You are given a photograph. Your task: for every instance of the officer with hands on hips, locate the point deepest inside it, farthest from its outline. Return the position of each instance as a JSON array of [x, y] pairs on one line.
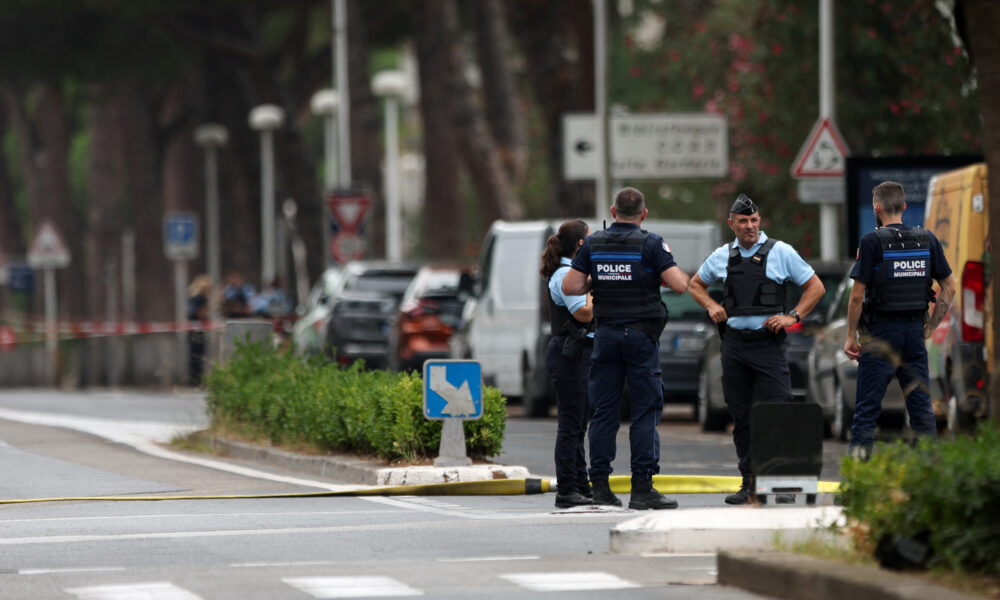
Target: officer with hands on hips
[[625, 266], [756, 270], [888, 305]]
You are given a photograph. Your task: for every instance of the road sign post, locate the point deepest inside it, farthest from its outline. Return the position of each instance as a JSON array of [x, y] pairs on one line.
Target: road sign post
[[180, 243], [453, 393], [48, 252], [348, 210]]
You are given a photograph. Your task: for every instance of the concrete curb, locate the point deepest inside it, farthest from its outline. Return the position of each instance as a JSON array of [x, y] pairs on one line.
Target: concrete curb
[[786, 575], [364, 472], [716, 529]]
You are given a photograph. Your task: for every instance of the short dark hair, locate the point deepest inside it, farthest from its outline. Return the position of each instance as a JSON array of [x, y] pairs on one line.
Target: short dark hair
[[629, 203], [890, 196]]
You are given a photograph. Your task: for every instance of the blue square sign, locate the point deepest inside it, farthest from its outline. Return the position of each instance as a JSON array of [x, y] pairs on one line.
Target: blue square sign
[[453, 389]]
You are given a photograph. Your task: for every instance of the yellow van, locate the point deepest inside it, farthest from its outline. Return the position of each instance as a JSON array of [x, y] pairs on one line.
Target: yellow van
[[957, 213]]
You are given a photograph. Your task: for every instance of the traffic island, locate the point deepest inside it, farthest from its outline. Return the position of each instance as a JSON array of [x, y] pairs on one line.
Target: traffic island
[[723, 528]]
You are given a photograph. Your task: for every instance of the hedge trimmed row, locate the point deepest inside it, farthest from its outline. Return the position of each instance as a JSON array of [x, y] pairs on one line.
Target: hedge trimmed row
[[946, 491], [274, 394]]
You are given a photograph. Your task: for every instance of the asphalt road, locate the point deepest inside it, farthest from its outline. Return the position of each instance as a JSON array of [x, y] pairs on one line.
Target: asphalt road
[[441, 547]]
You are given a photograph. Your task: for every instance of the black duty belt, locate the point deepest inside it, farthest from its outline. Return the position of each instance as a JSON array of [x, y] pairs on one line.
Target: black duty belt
[[754, 335]]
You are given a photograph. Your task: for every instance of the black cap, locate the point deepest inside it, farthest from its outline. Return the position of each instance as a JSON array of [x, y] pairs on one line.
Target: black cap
[[743, 206]]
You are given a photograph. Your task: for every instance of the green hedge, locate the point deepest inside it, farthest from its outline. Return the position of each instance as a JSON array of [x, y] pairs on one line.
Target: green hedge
[[948, 490], [275, 395]]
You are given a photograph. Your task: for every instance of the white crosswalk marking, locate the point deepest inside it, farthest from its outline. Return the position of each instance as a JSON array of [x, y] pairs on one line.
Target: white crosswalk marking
[[158, 590], [351, 587], [568, 581]]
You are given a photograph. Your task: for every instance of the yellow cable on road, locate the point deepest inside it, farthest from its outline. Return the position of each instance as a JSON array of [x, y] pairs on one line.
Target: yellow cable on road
[[622, 484]]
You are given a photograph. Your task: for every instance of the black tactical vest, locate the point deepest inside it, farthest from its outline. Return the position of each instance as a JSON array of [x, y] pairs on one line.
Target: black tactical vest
[[622, 288], [562, 321], [748, 291], [902, 281]]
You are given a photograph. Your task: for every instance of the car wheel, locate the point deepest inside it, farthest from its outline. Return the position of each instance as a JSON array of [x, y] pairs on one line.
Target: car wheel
[[708, 418], [842, 414]]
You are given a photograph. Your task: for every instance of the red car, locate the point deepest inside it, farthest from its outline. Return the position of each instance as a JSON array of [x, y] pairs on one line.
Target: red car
[[429, 313]]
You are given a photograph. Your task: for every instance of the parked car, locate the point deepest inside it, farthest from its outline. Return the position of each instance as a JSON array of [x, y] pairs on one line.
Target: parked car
[[957, 212], [429, 313], [712, 411], [833, 377], [506, 326], [359, 324], [681, 345], [314, 313]]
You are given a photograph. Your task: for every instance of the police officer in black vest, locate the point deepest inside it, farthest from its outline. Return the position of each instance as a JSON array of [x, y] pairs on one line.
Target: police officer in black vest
[[754, 314], [888, 307], [625, 266]]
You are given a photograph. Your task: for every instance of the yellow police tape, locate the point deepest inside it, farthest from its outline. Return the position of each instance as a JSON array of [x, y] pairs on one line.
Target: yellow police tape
[[667, 484]]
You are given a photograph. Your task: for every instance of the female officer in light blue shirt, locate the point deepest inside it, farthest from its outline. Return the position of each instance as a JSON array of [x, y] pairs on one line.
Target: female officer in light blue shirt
[[568, 362]]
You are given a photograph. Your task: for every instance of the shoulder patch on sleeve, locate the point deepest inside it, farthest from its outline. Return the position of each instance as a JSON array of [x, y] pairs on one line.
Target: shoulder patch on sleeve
[[666, 246]]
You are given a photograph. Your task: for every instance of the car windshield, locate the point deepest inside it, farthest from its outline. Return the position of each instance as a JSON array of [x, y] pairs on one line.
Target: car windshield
[[438, 283], [392, 283], [682, 306]]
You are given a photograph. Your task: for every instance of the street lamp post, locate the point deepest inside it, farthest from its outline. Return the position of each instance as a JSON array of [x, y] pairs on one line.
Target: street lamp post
[[211, 137], [391, 85], [265, 119], [324, 103]]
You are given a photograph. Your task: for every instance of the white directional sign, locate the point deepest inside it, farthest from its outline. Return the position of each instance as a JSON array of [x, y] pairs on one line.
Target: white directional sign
[[823, 155], [648, 146], [48, 250], [180, 235], [453, 389]]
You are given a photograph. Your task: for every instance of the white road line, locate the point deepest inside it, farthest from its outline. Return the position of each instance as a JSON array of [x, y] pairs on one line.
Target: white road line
[[568, 581], [351, 587], [488, 558], [217, 533], [120, 518], [305, 563], [70, 570], [159, 590]]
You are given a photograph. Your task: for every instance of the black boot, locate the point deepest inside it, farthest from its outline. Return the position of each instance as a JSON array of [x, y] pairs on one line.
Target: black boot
[[568, 497], [585, 490], [746, 494], [603, 495], [645, 497]]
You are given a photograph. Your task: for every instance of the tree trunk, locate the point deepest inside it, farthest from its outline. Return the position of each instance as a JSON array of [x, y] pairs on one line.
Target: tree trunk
[[366, 124], [11, 238], [442, 205], [108, 192], [478, 150], [43, 144], [980, 19], [500, 93], [562, 80]]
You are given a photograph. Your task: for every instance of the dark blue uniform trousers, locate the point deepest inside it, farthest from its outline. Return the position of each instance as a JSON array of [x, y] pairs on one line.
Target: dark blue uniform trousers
[[752, 371], [892, 348], [622, 353], [569, 378]]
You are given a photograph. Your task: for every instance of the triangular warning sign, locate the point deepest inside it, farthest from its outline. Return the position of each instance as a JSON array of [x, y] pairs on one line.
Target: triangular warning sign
[[823, 155], [349, 209], [47, 249]]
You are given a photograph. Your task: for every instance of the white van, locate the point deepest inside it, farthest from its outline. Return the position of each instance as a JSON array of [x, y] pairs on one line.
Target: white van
[[505, 327]]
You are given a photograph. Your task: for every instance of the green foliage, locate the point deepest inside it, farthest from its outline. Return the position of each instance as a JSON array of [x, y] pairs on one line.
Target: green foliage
[[278, 396], [949, 489], [903, 88]]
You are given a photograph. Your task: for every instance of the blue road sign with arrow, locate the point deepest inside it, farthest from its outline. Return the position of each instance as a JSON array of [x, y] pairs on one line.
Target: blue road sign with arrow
[[453, 389]]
